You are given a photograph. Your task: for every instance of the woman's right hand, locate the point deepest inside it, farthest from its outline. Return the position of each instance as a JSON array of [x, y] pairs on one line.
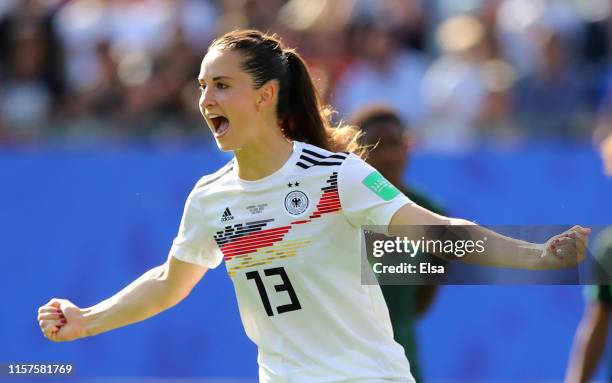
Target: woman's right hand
[[61, 320]]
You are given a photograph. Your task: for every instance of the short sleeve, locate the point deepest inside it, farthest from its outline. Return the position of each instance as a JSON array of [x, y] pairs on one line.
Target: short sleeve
[[367, 198], [601, 294], [194, 242]]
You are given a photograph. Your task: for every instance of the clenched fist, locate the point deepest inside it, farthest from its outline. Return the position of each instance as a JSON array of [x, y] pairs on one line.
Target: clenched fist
[[60, 320], [569, 248]]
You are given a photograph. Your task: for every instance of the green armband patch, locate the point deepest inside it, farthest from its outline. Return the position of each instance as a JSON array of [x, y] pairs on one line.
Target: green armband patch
[[380, 186]]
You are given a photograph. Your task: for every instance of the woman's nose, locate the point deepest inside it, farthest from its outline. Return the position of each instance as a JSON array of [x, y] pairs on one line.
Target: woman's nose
[[207, 98]]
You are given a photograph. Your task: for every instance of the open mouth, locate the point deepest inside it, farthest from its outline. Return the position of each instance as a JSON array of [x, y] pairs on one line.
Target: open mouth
[[220, 124]]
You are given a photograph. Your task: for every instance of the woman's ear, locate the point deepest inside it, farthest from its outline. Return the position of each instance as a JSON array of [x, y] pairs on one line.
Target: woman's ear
[[267, 95], [407, 143]]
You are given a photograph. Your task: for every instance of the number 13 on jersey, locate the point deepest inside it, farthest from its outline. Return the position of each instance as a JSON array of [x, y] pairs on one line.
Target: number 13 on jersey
[[285, 286]]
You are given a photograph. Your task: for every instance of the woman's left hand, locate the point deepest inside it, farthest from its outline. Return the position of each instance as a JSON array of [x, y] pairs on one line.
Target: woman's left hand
[[567, 249]]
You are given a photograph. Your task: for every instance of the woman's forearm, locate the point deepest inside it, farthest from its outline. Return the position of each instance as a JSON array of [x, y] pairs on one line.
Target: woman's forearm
[[156, 290], [413, 221], [563, 250], [502, 251], [143, 298]]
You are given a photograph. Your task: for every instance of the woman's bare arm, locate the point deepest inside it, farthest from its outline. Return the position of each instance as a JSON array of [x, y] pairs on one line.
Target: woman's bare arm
[[563, 250], [155, 291]]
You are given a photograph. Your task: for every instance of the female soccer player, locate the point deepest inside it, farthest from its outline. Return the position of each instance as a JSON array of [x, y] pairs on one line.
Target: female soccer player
[[285, 215]]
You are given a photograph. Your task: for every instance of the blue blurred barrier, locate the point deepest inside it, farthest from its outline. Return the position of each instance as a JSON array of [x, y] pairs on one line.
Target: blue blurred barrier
[[82, 224]]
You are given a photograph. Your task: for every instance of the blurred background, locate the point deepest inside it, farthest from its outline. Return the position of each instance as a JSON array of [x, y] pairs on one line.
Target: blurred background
[[509, 103]]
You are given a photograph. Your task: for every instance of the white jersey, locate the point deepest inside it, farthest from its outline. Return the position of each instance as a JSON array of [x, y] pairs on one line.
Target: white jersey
[[291, 245]]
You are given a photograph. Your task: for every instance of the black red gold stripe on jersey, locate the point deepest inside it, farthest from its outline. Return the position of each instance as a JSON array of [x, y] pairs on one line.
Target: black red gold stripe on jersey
[[330, 200], [253, 244], [265, 256], [239, 230], [309, 158]]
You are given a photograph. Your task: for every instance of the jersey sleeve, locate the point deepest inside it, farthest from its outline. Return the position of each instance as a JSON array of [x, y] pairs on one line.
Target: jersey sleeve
[[194, 242], [366, 197], [599, 293]]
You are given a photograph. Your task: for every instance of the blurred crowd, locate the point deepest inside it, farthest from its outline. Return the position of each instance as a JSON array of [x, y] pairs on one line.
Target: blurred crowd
[[460, 72]]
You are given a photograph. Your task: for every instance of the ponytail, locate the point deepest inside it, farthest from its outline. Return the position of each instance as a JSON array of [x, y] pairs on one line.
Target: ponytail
[[307, 119], [301, 114]]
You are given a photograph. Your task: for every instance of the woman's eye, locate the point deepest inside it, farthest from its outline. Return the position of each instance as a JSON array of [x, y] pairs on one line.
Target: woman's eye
[[202, 87], [221, 86]]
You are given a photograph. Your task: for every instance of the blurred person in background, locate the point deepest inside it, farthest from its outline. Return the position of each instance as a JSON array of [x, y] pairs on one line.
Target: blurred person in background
[[602, 137], [391, 143], [467, 90], [84, 24], [518, 25], [325, 31], [408, 21], [592, 333], [454, 89], [319, 29], [360, 51], [551, 101], [238, 14], [105, 96], [382, 72], [174, 68], [593, 49], [198, 21], [31, 71], [605, 148], [129, 72]]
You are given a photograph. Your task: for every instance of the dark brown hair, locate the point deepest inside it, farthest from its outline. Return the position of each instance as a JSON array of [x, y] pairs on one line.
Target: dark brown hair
[[300, 112], [377, 114], [372, 116]]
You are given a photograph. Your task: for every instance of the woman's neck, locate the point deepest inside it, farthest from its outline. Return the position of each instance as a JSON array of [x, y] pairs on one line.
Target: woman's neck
[[263, 157]]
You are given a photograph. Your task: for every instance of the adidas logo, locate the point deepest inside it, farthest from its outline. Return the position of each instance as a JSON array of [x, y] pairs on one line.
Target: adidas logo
[[227, 215]]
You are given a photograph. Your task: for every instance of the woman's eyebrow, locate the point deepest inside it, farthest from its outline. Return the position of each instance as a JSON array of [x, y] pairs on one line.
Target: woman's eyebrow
[[216, 78]]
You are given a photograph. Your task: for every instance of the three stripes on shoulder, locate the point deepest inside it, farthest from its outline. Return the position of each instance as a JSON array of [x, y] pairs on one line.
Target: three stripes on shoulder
[[308, 159]]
